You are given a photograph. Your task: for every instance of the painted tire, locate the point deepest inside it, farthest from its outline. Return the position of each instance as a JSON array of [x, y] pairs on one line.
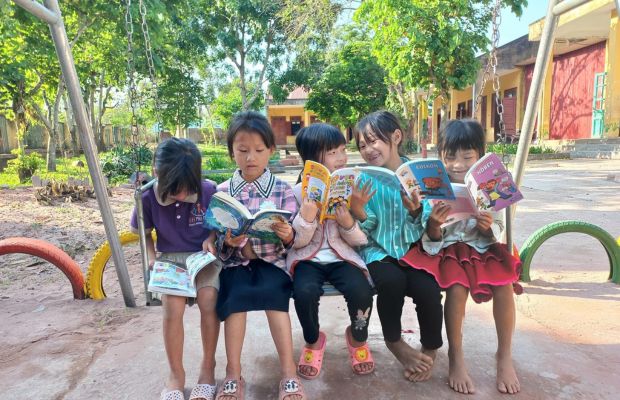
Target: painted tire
[[541, 235], [50, 253], [93, 287]]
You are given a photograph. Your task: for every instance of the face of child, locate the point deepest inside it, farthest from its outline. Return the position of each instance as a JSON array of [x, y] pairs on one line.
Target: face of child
[[181, 196], [335, 158], [458, 164], [251, 154], [379, 153]]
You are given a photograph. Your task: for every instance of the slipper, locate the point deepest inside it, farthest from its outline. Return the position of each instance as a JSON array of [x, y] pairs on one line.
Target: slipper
[[171, 395], [312, 358], [359, 355], [231, 387], [289, 387], [202, 391]]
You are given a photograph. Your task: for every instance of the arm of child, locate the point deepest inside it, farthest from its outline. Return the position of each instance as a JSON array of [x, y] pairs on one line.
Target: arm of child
[[361, 195], [209, 243], [348, 228], [490, 224], [304, 231]]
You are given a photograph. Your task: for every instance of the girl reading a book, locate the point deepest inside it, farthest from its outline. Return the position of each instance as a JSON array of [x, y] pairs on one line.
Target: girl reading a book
[[466, 257], [393, 222], [324, 252], [175, 208], [254, 273]]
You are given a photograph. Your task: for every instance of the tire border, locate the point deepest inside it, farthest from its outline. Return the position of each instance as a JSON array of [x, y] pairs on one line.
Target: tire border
[[532, 244], [51, 253]]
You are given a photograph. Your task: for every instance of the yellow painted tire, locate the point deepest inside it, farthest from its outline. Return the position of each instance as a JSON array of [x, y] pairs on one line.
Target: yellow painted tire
[[93, 285]]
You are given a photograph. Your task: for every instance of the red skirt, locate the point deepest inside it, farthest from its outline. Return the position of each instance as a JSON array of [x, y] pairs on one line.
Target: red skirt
[[461, 264]]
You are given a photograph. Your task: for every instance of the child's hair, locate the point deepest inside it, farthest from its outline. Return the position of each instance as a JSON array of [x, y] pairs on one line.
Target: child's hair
[[462, 134], [178, 165], [380, 125], [251, 122], [313, 141]]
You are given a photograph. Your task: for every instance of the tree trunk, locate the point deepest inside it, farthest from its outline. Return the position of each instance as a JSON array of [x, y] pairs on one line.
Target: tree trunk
[[72, 127]]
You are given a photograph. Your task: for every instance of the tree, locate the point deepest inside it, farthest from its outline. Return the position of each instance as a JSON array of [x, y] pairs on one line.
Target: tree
[[230, 101], [351, 86]]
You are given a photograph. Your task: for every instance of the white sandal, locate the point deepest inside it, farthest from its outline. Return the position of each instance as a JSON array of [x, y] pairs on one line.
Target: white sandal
[[203, 391], [171, 395]]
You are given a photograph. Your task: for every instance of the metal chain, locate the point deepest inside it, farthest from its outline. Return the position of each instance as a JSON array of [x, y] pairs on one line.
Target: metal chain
[[131, 71], [151, 64]]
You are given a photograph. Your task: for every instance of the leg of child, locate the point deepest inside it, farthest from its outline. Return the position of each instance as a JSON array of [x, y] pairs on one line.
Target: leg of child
[[458, 378], [307, 286], [234, 334], [504, 314], [426, 294], [390, 282], [354, 286], [209, 330], [173, 308], [280, 327]]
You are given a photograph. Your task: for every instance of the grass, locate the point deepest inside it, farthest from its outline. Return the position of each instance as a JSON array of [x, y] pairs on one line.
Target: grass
[[512, 149]]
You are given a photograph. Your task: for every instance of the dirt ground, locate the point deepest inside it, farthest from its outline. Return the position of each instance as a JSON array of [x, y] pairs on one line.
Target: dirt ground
[[53, 347]]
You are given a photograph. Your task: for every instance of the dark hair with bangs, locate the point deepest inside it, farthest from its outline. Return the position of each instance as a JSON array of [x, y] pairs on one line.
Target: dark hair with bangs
[[380, 125], [251, 122], [463, 134], [178, 165], [314, 140]]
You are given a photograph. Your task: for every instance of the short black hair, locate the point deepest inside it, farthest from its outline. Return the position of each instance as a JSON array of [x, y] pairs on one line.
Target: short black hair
[[178, 165], [465, 134], [253, 122], [379, 124], [316, 139]]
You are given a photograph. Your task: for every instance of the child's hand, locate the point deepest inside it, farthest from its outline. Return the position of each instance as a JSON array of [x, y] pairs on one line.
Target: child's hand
[[248, 252], [438, 216], [484, 221], [344, 217], [412, 204], [308, 210], [234, 241], [209, 244], [284, 231], [360, 196]]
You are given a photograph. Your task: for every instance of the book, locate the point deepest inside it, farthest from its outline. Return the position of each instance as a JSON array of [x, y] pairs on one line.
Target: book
[[488, 187], [225, 212], [491, 184], [425, 179], [329, 190], [170, 278]]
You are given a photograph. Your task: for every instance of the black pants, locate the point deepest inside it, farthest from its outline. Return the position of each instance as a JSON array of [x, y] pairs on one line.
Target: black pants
[[348, 279], [393, 282]]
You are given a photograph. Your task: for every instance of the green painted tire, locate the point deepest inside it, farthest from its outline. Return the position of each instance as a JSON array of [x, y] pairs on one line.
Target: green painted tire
[[541, 235]]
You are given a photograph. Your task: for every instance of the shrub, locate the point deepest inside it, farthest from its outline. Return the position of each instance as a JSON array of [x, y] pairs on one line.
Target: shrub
[[119, 163], [25, 165]]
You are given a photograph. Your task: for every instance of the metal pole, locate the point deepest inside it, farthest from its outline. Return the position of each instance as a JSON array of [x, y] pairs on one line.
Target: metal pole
[[618, 6], [545, 50], [568, 5], [65, 58], [142, 235], [38, 10]]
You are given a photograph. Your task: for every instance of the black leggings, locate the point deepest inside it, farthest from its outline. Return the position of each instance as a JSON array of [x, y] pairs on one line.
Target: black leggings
[[393, 282], [348, 279]]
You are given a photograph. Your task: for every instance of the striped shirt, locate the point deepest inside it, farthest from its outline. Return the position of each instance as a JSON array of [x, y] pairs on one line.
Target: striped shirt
[[391, 230], [266, 192]]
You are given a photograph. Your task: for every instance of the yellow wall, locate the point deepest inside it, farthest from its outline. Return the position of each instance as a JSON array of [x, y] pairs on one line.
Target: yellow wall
[[612, 66], [288, 111]]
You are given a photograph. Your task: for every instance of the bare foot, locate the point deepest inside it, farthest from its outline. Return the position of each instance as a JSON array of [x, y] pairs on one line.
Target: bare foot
[[363, 367], [425, 375], [176, 381], [507, 381], [412, 360], [458, 378]]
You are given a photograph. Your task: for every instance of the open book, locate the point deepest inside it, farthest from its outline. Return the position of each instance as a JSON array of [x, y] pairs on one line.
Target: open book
[[225, 212], [488, 186], [426, 178], [328, 190], [169, 278]]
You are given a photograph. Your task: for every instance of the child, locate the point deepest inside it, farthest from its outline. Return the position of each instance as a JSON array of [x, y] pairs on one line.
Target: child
[[393, 222], [175, 207], [465, 256], [323, 252], [254, 277]]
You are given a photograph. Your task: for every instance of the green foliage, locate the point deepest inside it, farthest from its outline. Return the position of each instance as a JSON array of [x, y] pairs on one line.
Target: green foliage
[[351, 86], [219, 162], [25, 165], [230, 101], [512, 149], [218, 178], [120, 162]]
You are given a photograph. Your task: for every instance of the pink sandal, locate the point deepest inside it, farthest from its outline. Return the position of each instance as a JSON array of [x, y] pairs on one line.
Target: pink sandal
[[231, 387], [359, 355], [290, 387], [312, 358]]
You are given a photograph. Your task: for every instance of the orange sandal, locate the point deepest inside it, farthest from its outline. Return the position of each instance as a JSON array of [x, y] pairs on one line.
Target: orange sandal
[[231, 387], [359, 355], [290, 387], [312, 358]]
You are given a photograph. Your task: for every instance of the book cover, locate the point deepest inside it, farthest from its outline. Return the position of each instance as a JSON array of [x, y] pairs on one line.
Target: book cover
[[260, 225], [428, 178], [462, 207], [491, 184], [383, 176], [328, 189], [169, 278]]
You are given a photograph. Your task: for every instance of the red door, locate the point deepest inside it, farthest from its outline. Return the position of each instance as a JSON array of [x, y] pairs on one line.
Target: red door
[[281, 129]]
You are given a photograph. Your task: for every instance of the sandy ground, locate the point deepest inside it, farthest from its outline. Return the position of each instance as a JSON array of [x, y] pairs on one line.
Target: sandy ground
[[566, 343]]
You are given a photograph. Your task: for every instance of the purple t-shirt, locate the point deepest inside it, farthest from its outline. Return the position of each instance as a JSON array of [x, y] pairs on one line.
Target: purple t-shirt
[[178, 225]]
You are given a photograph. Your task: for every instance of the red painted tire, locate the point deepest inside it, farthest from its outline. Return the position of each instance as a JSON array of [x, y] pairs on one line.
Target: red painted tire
[[50, 253]]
